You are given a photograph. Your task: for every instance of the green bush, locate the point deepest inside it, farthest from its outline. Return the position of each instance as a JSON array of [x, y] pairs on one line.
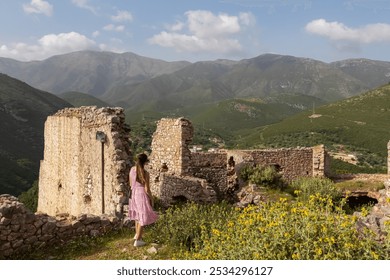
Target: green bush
[[308, 186], [182, 226], [266, 176], [30, 197]]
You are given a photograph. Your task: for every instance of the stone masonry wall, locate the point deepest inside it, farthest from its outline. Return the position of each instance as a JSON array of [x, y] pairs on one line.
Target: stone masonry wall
[[170, 145], [172, 189], [292, 162], [22, 231], [175, 171], [76, 166], [213, 168]]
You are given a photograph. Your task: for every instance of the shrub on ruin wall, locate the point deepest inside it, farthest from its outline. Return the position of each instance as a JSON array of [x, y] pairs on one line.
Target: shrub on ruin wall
[[315, 230], [266, 176]]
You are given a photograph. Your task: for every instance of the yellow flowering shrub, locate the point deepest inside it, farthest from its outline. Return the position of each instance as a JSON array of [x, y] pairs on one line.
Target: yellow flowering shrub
[[315, 229]]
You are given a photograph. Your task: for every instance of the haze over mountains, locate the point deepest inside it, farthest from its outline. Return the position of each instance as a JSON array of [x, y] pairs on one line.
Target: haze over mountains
[[230, 99]]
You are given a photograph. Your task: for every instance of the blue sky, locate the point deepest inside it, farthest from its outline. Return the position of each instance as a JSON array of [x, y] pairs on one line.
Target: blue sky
[[197, 30]]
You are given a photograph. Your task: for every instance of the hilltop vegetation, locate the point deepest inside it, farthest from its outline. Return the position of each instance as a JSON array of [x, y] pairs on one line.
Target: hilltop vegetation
[[23, 111], [356, 125]]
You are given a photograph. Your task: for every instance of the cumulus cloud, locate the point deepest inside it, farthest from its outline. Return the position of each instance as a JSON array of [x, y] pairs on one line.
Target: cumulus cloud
[[336, 31], [113, 27], [38, 7], [84, 5], [122, 16], [48, 45], [204, 31]]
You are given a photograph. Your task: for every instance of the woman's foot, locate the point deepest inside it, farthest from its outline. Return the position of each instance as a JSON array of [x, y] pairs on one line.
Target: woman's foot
[[139, 243]]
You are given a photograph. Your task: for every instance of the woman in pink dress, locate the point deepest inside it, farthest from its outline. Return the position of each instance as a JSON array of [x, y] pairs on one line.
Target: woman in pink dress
[[140, 204]]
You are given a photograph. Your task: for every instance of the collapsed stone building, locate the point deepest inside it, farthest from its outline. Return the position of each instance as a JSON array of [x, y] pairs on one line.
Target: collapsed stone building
[[87, 158], [86, 161], [179, 174]]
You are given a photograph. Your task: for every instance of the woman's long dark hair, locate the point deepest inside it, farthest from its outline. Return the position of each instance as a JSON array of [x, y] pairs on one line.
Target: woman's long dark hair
[[142, 159]]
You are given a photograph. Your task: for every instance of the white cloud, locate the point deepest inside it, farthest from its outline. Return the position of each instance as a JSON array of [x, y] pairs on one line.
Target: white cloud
[[38, 7], [336, 31], [206, 32], [48, 45], [84, 5], [122, 16], [96, 34], [113, 27]]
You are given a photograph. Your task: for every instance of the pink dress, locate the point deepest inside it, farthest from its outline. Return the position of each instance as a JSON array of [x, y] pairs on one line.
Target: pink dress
[[140, 208]]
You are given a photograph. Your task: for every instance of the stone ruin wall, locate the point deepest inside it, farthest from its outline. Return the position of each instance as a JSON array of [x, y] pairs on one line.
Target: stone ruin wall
[[206, 176], [170, 145], [70, 177], [291, 162], [170, 164], [22, 231], [213, 168]]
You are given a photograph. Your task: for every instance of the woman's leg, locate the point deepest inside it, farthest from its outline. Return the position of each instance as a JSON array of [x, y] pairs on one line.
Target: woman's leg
[[136, 230], [138, 236], [140, 231]]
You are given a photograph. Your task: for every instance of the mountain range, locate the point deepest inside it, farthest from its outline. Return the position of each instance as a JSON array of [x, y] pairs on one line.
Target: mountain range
[[140, 83], [242, 103]]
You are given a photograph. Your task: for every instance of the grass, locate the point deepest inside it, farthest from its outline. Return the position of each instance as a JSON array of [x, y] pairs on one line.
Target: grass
[[359, 185], [116, 245]]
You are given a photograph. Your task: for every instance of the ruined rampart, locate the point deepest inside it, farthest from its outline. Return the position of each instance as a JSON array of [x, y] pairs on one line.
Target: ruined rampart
[[22, 231], [174, 168], [213, 168], [85, 164], [292, 163]]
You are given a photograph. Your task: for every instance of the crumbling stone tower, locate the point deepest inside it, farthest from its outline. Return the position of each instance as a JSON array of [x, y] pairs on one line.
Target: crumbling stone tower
[[170, 146], [170, 164], [85, 164]]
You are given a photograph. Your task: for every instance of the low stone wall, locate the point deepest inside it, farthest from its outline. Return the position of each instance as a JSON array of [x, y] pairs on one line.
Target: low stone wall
[[171, 188], [378, 220], [292, 163], [23, 231], [213, 168], [361, 177]]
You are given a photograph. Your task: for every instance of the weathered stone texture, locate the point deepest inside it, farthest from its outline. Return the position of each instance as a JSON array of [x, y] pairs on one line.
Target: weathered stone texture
[[213, 168], [70, 178], [171, 156], [174, 189], [379, 214], [292, 163], [170, 145], [23, 231]]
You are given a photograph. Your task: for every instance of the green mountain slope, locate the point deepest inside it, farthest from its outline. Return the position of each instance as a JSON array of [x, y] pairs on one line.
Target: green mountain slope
[[91, 72], [259, 77], [78, 99], [358, 125], [23, 111], [230, 119]]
